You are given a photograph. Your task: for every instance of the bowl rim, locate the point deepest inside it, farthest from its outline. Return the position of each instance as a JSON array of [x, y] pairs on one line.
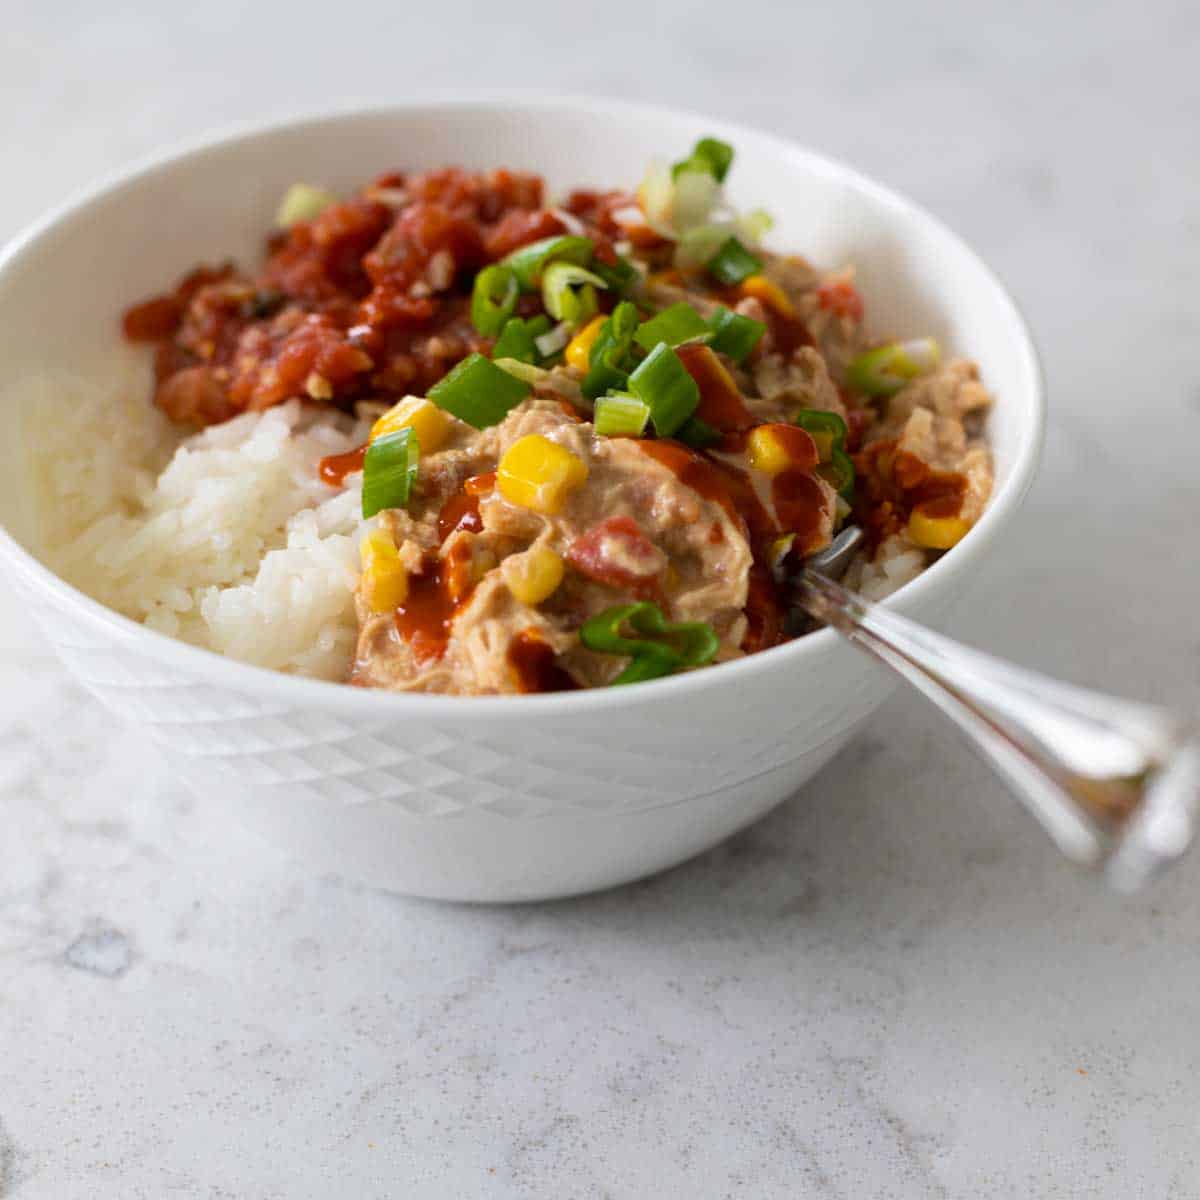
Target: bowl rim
[[791, 656]]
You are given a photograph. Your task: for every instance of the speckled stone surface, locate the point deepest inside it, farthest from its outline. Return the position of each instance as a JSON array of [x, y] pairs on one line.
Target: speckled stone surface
[[889, 988]]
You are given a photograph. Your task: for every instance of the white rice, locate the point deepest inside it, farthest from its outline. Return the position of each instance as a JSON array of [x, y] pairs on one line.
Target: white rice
[[236, 545], [896, 562]]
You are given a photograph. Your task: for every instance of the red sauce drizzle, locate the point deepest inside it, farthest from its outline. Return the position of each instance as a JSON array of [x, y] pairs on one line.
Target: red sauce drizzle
[[721, 404], [765, 611], [800, 505], [480, 485], [535, 666], [893, 483], [788, 332], [334, 468], [434, 597], [459, 512]]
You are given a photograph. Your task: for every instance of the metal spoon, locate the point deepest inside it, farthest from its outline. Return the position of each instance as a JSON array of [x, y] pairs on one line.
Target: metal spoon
[[1115, 784]]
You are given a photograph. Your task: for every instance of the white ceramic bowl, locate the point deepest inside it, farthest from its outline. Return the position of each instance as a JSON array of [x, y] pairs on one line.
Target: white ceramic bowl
[[501, 798]]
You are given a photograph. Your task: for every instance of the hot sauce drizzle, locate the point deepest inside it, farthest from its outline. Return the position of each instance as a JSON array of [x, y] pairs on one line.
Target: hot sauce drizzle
[[435, 595], [334, 468], [535, 666]]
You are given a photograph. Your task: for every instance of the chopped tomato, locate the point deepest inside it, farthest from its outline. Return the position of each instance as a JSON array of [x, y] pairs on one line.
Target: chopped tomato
[[618, 553], [841, 298], [518, 228]]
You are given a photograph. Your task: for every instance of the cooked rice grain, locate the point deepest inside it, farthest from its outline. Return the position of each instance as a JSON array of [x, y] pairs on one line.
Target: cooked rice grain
[[236, 546]]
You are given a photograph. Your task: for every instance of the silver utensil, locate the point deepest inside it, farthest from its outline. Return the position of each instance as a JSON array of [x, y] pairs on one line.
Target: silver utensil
[[1116, 784]]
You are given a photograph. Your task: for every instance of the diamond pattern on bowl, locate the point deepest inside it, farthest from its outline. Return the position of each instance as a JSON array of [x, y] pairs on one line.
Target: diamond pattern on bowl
[[642, 757]]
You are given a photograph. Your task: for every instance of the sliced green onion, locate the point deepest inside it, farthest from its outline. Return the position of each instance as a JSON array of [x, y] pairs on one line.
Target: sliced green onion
[[620, 416], [478, 392], [518, 336], [389, 471], [302, 202], [562, 300], [658, 647], [528, 262], [839, 473], [698, 434], [734, 334], [733, 262], [662, 382], [695, 195], [828, 430], [655, 196], [493, 299], [522, 370], [697, 245], [886, 369], [553, 340], [709, 155], [618, 277], [611, 359], [652, 662], [755, 225], [675, 325]]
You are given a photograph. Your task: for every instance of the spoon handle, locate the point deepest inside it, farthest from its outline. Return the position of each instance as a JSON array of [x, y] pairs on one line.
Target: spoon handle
[[1115, 784]]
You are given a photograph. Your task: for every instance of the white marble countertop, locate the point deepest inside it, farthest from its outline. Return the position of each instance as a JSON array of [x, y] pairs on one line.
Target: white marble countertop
[[890, 987]]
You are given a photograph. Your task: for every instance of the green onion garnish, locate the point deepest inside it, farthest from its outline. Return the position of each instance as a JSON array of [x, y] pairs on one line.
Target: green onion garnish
[[389, 471], [551, 342], [518, 336], [886, 369], [569, 292], [302, 202], [698, 434], [611, 359], [493, 299], [620, 416], [733, 263], [734, 334], [755, 225], [528, 262], [619, 277], [828, 430], [697, 245], [675, 325], [479, 392], [839, 473], [522, 370], [657, 647], [694, 196], [662, 382], [709, 155]]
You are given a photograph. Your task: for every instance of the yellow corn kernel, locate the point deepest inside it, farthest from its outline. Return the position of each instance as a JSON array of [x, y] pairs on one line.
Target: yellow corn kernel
[[431, 424], [384, 579], [766, 453], [534, 575], [539, 474], [936, 533], [770, 293], [579, 348]]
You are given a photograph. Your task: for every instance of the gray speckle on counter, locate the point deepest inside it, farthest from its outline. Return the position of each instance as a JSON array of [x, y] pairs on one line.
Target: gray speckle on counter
[[102, 951], [891, 987]]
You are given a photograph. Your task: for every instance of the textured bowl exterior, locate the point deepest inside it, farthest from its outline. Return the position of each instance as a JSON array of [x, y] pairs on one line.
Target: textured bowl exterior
[[461, 806], [491, 799]]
